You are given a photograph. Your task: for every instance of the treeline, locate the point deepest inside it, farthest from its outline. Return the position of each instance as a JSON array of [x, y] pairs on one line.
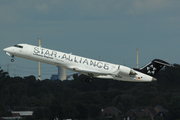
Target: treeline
[[77, 99]]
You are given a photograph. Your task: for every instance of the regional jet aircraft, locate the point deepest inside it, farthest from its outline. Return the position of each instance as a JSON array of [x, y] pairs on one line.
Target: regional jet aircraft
[[91, 68]]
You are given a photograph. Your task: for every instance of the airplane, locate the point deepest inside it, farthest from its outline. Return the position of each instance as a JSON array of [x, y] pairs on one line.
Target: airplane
[[90, 67]]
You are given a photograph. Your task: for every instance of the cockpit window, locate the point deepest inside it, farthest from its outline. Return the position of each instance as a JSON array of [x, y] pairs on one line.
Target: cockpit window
[[19, 46]]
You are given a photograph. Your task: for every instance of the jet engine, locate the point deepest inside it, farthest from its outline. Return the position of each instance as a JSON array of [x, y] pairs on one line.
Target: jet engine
[[123, 70]]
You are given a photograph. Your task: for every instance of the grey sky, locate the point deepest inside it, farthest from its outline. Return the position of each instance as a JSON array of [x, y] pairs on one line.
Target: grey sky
[[111, 29]]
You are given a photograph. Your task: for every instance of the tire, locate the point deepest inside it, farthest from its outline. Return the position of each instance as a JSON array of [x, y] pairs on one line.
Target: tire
[[90, 80]]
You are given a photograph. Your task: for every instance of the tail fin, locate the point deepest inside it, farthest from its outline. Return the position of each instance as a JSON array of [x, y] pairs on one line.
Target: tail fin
[[153, 67]]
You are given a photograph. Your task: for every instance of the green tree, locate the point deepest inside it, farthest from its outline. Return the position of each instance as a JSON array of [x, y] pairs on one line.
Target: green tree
[[144, 117], [39, 114], [94, 111], [174, 108]]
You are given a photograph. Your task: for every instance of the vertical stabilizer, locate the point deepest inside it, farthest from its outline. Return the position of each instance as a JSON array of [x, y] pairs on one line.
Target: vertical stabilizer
[[153, 67]]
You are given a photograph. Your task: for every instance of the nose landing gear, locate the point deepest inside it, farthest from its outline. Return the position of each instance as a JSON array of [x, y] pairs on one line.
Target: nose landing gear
[[12, 60]]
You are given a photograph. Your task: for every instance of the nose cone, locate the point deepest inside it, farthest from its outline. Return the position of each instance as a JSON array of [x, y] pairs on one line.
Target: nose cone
[[8, 49], [5, 49]]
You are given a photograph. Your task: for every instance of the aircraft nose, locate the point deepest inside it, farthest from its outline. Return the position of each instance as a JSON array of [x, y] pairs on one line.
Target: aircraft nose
[[6, 49]]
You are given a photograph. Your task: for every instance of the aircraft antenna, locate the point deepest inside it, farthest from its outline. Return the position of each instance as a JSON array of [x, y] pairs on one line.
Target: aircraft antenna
[[39, 63]]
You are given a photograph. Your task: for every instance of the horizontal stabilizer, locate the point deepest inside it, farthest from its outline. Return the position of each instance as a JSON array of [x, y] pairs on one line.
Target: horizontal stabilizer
[[163, 63]]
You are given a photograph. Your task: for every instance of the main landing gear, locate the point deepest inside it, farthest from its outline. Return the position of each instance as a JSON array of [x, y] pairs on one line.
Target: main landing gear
[[89, 79], [12, 60]]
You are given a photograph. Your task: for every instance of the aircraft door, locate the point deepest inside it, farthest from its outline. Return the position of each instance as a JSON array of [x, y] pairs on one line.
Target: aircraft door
[[23, 51]]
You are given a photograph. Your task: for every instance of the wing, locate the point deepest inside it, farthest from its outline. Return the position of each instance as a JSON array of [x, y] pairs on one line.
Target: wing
[[123, 71], [90, 72]]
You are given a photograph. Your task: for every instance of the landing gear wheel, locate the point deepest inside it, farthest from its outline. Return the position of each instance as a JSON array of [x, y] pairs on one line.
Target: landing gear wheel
[[89, 80], [12, 60]]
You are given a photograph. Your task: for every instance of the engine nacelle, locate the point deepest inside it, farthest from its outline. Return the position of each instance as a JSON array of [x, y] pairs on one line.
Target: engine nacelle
[[123, 70]]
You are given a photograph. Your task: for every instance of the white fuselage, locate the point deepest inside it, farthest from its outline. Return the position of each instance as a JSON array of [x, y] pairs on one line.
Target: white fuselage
[[99, 69]]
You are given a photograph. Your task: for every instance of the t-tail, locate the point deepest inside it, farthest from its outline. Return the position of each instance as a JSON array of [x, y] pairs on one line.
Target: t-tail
[[153, 67]]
